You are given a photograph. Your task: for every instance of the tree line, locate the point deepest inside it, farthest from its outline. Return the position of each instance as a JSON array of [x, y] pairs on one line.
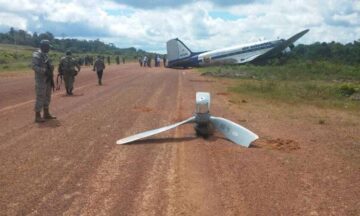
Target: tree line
[[338, 53], [21, 37]]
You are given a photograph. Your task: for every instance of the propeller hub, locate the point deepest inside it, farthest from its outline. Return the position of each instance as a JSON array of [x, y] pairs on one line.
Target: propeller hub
[[202, 102], [203, 125]]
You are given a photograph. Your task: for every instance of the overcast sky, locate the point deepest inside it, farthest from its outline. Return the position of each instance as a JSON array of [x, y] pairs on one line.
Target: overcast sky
[[201, 24]]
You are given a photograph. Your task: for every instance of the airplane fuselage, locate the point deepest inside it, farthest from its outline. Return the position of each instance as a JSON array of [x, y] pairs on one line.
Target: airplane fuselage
[[179, 55], [237, 54], [230, 55]]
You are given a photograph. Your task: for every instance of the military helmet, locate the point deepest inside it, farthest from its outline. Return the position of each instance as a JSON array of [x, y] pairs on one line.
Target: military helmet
[[44, 42], [45, 46], [68, 52]]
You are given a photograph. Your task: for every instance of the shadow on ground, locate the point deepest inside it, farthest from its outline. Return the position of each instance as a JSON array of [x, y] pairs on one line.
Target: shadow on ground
[[50, 123], [162, 140]]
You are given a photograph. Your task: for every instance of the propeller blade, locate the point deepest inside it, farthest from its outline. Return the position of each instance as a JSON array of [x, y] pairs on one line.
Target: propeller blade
[[234, 132], [153, 132]]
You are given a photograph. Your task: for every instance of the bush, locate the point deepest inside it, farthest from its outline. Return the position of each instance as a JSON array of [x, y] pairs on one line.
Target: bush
[[3, 61], [347, 90]]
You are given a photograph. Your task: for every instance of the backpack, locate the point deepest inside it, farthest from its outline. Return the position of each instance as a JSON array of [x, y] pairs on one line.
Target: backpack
[[67, 65]]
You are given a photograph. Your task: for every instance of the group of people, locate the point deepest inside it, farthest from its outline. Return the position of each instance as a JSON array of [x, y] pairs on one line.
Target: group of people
[[117, 59], [146, 61], [86, 60], [89, 60], [68, 69]]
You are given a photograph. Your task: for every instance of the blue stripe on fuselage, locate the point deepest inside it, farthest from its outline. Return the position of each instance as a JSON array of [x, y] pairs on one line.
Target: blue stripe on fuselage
[[191, 61], [246, 50]]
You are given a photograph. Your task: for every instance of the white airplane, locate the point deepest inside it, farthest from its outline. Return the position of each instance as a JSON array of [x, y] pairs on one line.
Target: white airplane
[[179, 55]]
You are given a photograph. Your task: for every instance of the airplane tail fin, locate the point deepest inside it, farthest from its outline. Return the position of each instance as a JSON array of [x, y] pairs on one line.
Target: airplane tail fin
[[176, 49]]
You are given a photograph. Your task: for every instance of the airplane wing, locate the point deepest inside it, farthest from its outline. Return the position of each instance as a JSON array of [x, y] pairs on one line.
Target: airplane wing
[[282, 46], [242, 61]]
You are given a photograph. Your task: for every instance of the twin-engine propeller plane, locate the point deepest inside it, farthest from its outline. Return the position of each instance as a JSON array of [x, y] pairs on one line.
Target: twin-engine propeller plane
[[204, 125], [179, 55]]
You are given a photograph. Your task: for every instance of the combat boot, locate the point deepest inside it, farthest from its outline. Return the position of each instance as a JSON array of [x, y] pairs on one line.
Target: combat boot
[[47, 114], [38, 118]]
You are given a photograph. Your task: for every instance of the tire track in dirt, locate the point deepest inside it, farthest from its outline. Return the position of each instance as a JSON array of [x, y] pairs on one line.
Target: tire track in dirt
[[153, 197], [172, 177], [193, 184], [106, 170], [158, 196], [135, 154]]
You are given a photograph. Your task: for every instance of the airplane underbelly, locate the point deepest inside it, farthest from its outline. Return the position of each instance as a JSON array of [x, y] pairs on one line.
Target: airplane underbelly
[[247, 57], [236, 58]]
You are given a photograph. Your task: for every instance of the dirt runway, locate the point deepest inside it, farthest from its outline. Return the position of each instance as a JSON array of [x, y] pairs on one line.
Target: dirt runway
[[72, 166]]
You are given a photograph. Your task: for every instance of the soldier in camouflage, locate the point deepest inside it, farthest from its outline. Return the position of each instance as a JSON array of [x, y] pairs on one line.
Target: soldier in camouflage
[[68, 68], [99, 67], [44, 82], [108, 60]]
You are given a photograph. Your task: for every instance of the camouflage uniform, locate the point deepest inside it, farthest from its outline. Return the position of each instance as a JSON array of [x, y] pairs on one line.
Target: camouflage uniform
[[99, 67], [140, 61], [67, 68], [164, 60], [41, 64], [149, 61]]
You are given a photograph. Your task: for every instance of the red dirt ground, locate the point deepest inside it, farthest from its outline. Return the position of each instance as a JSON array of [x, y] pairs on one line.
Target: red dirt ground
[[72, 166]]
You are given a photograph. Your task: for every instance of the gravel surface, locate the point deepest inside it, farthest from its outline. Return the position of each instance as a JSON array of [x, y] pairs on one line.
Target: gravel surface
[[72, 166]]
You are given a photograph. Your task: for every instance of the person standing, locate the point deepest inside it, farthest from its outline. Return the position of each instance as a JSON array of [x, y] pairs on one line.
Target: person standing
[[164, 60], [108, 60], [149, 61], [44, 83], [99, 67], [157, 61], [68, 68], [145, 61], [91, 59], [140, 61], [117, 60]]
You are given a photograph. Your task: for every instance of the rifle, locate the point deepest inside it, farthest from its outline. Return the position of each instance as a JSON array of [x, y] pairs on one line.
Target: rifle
[[58, 84], [50, 73]]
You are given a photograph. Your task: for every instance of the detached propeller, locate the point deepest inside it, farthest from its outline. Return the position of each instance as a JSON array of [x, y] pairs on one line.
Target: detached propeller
[[205, 125]]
